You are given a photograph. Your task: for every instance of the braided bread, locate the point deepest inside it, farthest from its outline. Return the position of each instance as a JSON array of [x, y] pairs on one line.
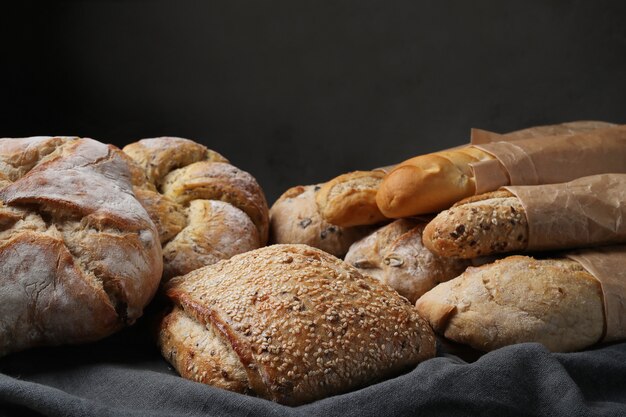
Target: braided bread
[[205, 208], [79, 256]]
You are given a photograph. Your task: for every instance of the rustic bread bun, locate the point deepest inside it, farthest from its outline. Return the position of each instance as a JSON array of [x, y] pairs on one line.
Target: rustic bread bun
[[518, 299], [485, 224], [174, 173], [350, 199], [395, 255], [290, 323], [79, 256], [294, 218]]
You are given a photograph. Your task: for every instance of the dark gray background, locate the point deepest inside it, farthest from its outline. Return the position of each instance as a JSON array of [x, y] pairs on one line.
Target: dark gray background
[[300, 91]]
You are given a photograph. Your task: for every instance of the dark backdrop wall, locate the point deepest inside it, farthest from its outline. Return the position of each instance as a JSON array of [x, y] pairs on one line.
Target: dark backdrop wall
[[296, 92]]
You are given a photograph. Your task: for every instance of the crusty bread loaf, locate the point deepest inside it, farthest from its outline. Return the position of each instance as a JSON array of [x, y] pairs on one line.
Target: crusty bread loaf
[[350, 199], [175, 173], [295, 218], [429, 183], [518, 299], [485, 224], [433, 182], [79, 256], [290, 323], [395, 255]]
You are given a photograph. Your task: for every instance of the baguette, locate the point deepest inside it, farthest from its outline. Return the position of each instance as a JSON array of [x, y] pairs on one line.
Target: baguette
[[518, 299], [291, 324], [481, 225], [350, 199], [428, 183], [433, 182]]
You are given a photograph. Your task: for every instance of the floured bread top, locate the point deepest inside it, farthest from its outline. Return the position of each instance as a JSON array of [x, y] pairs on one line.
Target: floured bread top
[[79, 256]]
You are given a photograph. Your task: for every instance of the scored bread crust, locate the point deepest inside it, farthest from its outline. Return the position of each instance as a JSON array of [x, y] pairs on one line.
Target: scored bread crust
[[174, 173], [295, 218], [350, 199], [518, 299], [304, 324], [79, 256], [396, 256], [480, 225]]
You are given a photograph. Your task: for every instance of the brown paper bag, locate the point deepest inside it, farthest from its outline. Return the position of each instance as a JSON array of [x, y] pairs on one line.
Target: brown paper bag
[[551, 159], [585, 212], [608, 265]]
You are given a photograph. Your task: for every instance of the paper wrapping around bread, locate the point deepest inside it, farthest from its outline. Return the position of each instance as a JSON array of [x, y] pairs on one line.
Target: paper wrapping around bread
[[606, 264], [585, 212], [549, 159]]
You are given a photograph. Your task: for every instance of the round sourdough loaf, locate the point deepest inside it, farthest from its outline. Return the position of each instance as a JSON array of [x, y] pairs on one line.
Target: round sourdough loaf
[[79, 256], [205, 208], [290, 323]]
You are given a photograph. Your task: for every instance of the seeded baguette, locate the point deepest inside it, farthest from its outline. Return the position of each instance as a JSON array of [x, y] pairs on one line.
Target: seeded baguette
[[481, 225], [518, 299], [291, 324], [350, 199]]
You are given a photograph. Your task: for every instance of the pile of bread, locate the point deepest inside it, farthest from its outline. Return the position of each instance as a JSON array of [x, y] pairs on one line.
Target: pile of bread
[[90, 233]]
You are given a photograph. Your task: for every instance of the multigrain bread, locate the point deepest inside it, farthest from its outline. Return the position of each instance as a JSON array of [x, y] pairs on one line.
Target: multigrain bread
[[290, 323], [396, 256], [485, 224], [79, 256], [518, 299], [350, 199], [205, 208], [295, 218], [433, 182]]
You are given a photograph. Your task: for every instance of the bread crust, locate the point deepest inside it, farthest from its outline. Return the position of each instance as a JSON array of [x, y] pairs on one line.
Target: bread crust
[[485, 224], [304, 324], [79, 256], [350, 199], [396, 256], [295, 218], [518, 299], [171, 174]]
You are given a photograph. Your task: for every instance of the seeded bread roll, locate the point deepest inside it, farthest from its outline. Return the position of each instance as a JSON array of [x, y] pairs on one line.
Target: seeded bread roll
[[291, 324], [350, 199], [485, 224], [396, 256], [79, 256], [518, 299], [294, 218], [205, 208]]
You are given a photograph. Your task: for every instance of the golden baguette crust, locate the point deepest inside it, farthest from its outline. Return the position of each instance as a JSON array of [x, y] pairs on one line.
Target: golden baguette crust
[[79, 256], [304, 324], [481, 225], [170, 174], [350, 199], [295, 218], [428, 183], [518, 299], [433, 182]]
